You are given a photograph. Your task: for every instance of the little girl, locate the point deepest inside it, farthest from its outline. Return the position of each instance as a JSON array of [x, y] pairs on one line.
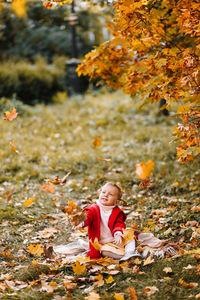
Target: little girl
[[105, 222]]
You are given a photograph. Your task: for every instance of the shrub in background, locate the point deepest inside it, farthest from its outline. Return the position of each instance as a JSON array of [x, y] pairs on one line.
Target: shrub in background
[[32, 83]]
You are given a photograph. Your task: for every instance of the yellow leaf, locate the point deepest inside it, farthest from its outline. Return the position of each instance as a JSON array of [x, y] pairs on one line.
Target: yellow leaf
[[28, 202], [96, 244], [144, 170], [19, 7], [148, 261], [128, 234], [119, 296], [183, 109], [78, 268], [110, 279], [97, 142], [35, 249]]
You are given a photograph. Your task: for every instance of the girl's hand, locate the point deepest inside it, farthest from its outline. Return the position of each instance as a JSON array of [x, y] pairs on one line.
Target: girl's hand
[[118, 238]]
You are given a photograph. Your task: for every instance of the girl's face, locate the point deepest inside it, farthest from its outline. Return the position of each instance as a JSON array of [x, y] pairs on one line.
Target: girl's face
[[109, 195]]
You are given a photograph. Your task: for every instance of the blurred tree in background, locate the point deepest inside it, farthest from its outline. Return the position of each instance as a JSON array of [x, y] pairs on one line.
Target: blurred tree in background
[[46, 32]]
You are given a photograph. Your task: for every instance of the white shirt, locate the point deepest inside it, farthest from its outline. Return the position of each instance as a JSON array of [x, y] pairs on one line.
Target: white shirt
[[105, 233]]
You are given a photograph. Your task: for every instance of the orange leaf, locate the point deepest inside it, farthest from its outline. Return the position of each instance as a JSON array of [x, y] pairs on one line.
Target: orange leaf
[[19, 7], [70, 208], [11, 115], [132, 292], [28, 202], [13, 147], [144, 170], [78, 268], [48, 188], [97, 142], [119, 296]]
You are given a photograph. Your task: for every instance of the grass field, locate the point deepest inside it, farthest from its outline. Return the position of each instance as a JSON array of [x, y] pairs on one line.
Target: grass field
[[54, 140]]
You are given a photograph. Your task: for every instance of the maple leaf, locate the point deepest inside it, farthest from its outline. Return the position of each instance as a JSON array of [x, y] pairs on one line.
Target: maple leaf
[[96, 244], [78, 268], [13, 147], [48, 188], [11, 115], [144, 170], [110, 279], [128, 234], [35, 249], [148, 261], [97, 142]]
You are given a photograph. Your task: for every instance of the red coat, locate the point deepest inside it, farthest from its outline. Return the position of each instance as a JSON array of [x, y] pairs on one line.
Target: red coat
[[115, 223]]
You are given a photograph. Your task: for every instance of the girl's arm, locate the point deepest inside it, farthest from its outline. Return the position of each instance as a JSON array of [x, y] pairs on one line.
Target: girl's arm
[[119, 224]]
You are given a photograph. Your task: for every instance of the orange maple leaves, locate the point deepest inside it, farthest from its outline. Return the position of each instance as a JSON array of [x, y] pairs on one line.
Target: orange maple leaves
[[150, 54]]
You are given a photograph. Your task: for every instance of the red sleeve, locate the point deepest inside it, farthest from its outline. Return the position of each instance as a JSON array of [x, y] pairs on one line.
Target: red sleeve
[[119, 224], [89, 218]]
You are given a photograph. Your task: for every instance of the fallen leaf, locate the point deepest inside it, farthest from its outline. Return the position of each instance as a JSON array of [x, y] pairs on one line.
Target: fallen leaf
[[132, 293], [99, 282], [119, 296], [167, 270], [110, 279], [144, 170], [48, 188], [96, 244], [150, 290], [93, 296], [28, 202], [128, 234], [35, 249], [148, 261], [70, 285], [78, 268], [11, 115]]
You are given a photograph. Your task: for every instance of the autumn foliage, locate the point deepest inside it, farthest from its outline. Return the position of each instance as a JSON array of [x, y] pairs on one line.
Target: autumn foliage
[[155, 52]]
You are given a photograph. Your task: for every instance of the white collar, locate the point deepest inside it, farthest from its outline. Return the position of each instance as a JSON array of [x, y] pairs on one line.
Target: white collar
[[105, 208]]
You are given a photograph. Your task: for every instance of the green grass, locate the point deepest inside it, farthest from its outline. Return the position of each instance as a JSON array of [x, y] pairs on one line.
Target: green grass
[[53, 140]]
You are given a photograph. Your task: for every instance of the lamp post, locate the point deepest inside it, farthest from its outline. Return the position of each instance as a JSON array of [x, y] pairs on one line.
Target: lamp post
[[75, 84]]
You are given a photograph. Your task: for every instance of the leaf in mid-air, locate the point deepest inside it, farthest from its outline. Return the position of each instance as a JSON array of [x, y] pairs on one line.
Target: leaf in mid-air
[[144, 170], [11, 115], [97, 142], [13, 147]]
